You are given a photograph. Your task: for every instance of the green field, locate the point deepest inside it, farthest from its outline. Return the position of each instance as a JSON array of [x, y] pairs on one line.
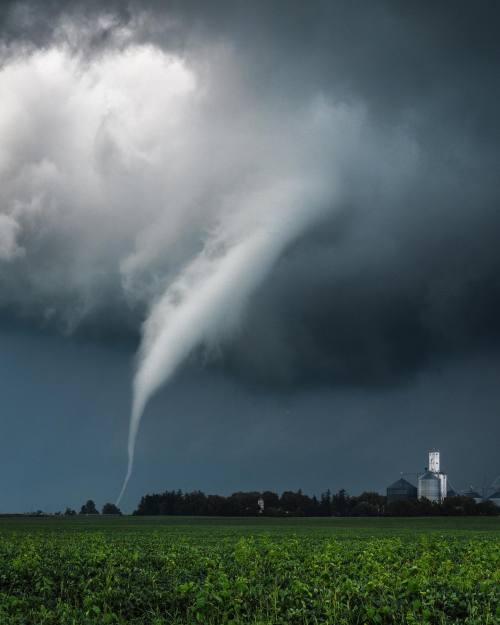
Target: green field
[[171, 570]]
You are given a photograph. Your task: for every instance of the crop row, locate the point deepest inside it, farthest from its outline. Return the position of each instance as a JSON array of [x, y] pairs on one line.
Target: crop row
[[94, 579]]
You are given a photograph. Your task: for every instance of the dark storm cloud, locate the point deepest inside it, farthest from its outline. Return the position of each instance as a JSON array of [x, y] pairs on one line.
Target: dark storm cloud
[[405, 270]]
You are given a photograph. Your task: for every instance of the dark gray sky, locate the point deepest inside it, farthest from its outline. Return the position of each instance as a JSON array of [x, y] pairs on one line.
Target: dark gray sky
[[300, 200]]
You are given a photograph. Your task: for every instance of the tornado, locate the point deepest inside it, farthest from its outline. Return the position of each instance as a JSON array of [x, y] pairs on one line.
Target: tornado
[[205, 303]]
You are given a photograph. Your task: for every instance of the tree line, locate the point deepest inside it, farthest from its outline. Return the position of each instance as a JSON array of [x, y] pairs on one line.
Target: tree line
[[290, 503], [89, 507]]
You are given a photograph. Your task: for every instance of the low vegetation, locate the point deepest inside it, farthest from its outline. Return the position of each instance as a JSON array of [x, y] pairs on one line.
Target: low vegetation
[[129, 570]]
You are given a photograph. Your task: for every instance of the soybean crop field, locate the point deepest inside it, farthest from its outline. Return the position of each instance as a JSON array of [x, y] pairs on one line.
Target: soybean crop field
[[171, 570]]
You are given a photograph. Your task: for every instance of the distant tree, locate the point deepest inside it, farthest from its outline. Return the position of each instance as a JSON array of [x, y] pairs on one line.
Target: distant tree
[[271, 500], [341, 503], [290, 502], [299, 504], [376, 499], [69, 512], [216, 505], [110, 508], [455, 506], [487, 508], [271, 503], [364, 508], [313, 508], [89, 508], [194, 503], [243, 503], [149, 505], [325, 504], [375, 502], [425, 507], [402, 508]]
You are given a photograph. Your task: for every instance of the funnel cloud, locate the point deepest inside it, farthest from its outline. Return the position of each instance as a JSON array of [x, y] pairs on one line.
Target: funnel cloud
[[205, 302]]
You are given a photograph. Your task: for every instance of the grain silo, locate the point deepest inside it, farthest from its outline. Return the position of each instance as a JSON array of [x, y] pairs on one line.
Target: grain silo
[[401, 490], [432, 484], [429, 486]]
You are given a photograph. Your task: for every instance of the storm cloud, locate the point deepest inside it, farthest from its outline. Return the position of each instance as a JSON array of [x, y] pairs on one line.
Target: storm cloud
[[297, 195], [129, 134]]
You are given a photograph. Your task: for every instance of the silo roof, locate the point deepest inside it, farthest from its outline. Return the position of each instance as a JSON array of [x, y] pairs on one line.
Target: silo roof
[[401, 483], [429, 475]]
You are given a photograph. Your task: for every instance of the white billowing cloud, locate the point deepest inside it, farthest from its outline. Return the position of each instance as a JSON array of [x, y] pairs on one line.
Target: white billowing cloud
[[87, 159]]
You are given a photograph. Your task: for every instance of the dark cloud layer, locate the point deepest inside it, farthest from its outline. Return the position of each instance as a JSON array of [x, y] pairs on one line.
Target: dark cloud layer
[[406, 271]]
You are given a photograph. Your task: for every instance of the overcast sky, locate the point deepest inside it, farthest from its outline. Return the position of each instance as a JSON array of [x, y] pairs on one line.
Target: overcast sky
[[270, 229]]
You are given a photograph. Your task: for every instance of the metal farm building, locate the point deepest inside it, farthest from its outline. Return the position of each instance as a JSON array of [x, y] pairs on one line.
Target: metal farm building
[[401, 490]]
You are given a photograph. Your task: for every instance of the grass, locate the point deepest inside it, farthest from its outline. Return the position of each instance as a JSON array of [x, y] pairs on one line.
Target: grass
[[178, 570], [334, 527]]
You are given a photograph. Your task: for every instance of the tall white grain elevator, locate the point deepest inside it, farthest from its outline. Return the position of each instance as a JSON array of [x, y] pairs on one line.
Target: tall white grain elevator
[[432, 484]]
